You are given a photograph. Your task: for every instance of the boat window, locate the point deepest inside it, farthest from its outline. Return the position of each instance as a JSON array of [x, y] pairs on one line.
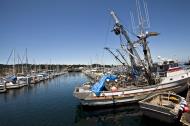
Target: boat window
[[171, 62], [165, 62], [161, 67], [171, 78], [182, 76]]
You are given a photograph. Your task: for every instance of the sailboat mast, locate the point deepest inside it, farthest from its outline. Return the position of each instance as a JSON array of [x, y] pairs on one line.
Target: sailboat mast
[[26, 61], [14, 61]]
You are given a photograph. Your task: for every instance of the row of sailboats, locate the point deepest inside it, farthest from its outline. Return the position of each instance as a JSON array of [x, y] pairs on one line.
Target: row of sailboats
[[13, 79]]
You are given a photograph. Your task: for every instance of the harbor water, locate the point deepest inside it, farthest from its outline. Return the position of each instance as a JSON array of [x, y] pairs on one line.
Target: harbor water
[[51, 103]]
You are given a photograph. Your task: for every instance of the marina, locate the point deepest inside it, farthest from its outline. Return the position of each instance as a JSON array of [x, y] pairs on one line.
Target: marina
[[47, 102], [16, 82], [97, 63]]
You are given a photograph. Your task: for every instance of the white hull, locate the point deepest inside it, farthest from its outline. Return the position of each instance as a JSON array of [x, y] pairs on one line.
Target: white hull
[[130, 95], [2, 88], [10, 85]]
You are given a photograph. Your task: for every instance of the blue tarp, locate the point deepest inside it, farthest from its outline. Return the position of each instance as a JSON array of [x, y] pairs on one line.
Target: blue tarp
[[11, 78], [98, 86]]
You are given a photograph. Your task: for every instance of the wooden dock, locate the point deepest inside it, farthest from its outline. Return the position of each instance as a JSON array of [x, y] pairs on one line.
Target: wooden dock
[[185, 119]]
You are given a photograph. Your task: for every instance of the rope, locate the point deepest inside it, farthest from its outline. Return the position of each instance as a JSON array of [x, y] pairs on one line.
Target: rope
[[132, 33]]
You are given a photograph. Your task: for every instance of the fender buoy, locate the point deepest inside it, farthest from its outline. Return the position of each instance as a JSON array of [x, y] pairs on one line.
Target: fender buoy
[[184, 102], [182, 106], [113, 89], [186, 109]]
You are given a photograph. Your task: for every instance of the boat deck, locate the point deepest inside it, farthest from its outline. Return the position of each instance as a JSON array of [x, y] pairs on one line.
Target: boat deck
[[185, 119]]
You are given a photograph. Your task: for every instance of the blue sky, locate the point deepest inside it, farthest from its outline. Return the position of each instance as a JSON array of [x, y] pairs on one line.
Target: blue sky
[[76, 31]]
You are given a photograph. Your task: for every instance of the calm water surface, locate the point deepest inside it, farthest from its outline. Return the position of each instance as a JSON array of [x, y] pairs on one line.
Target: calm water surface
[[51, 103]]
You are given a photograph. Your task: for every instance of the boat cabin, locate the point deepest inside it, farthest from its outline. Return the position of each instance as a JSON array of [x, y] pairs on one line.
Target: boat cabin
[[166, 68]]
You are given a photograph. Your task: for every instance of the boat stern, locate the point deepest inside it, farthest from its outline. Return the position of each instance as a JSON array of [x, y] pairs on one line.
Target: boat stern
[[81, 92]]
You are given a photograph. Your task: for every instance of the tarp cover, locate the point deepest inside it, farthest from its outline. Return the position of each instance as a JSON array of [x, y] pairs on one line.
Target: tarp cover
[[11, 78], [98, 86]]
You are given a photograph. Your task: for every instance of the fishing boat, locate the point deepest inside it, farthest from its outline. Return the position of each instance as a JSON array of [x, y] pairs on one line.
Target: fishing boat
[[142, 76], [167, 107], [96, 94]]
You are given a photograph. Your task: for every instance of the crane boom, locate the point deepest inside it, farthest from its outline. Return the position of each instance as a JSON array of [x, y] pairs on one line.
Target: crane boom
[[122, 56], [118, 28], [116, 57]]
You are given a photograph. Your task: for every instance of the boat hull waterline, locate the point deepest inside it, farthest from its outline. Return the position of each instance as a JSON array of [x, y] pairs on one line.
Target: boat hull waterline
[[129, 95]]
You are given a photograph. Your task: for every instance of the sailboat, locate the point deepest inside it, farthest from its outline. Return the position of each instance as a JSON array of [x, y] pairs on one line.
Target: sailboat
[[11, 81], [2, 86], [144, 77]]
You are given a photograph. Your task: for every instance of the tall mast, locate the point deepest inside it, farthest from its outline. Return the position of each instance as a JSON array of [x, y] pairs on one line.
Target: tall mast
[[144, 24], [26, 61], [14, 61], [118, 28], [146, 51]]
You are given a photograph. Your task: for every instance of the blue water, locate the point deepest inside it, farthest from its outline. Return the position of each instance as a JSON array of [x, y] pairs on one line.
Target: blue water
[[51, 103]]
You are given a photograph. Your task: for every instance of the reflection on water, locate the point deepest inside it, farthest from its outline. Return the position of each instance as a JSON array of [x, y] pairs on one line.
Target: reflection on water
[[127, 115], [51, 103], [112, 116]]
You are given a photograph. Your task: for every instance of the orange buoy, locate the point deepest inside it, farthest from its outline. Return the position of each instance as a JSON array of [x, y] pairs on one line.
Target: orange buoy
[[113, 88]]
